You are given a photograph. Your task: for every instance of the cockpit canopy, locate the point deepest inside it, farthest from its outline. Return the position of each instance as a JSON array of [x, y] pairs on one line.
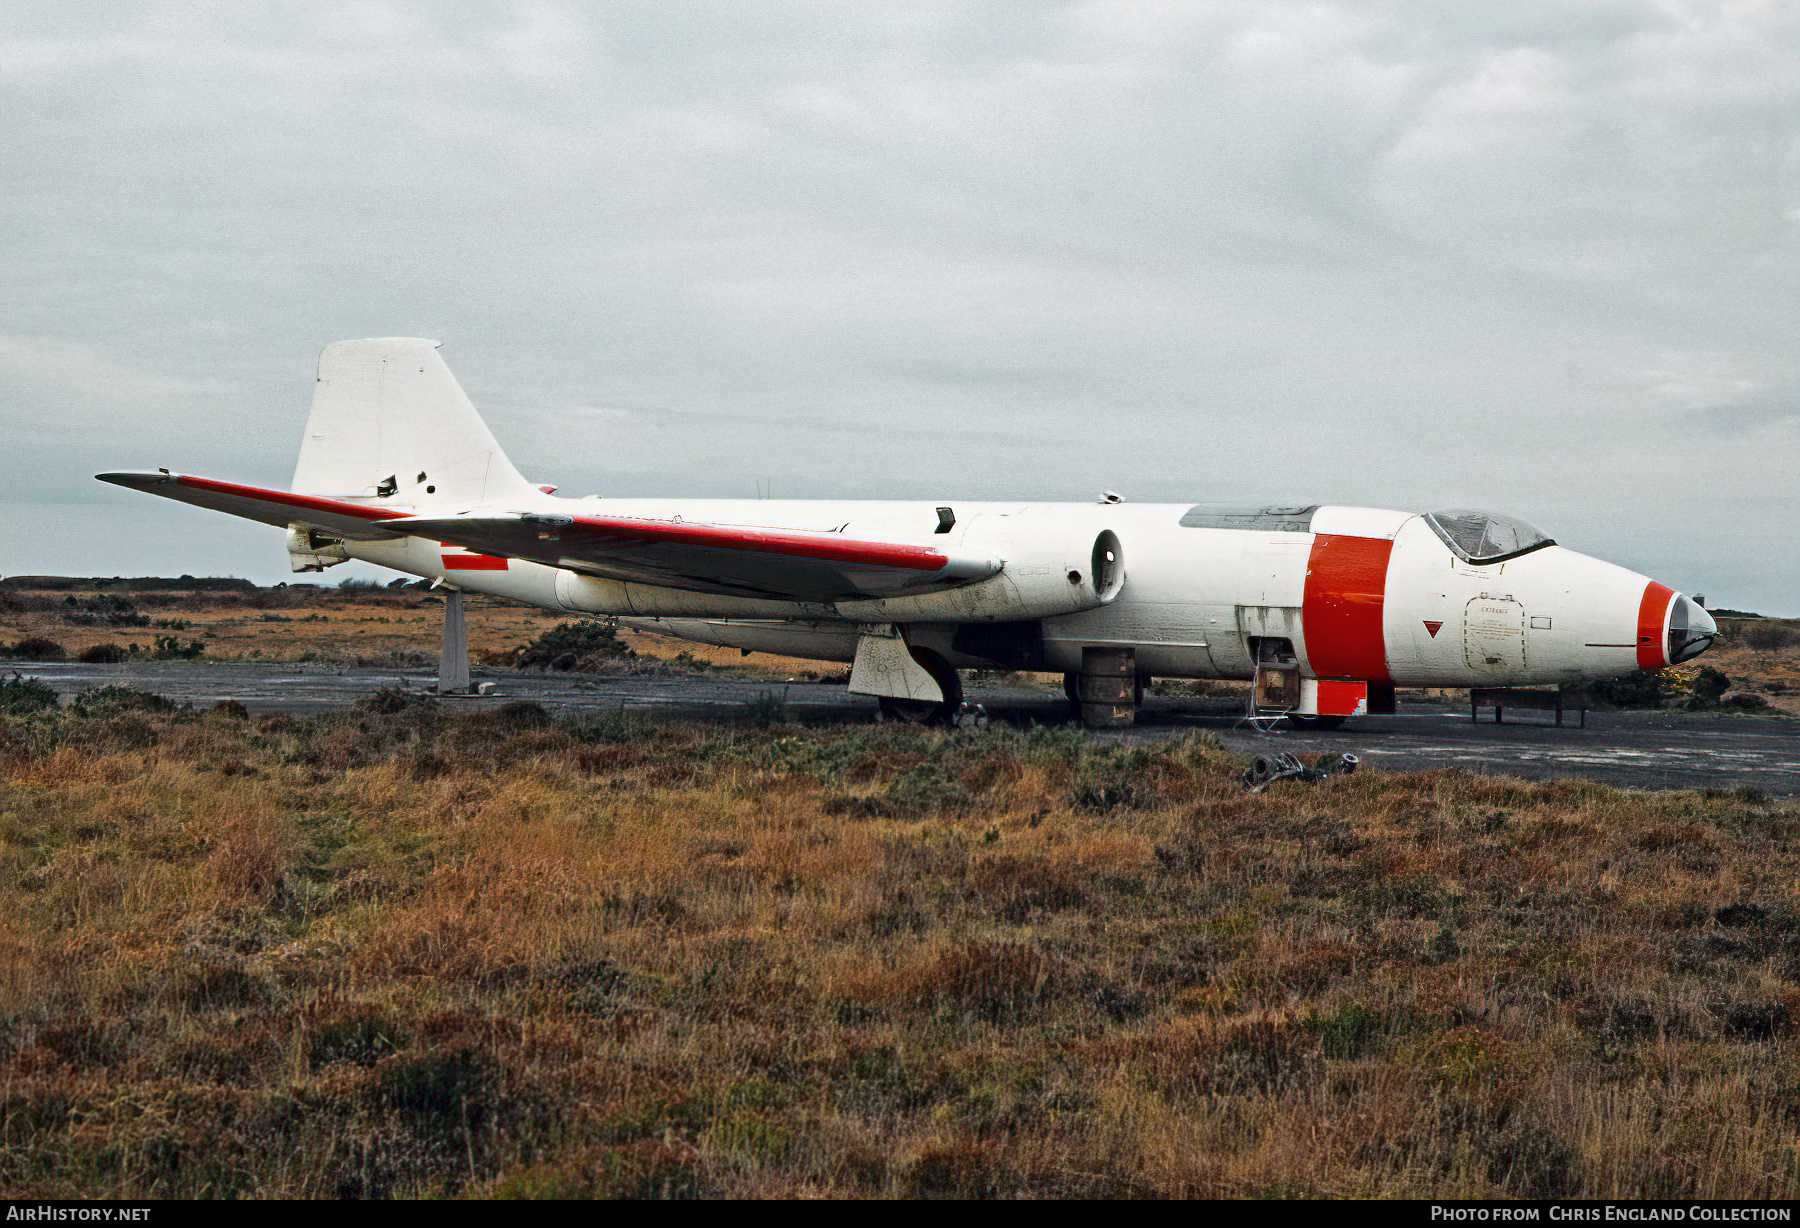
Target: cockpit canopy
[[1485, 537]]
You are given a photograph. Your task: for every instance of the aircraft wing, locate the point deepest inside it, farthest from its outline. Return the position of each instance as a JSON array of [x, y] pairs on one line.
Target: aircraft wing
[[276, 507], [738, 560]]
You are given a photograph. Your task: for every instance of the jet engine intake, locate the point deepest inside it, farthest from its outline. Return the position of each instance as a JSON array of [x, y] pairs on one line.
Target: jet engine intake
[[1040, 580]]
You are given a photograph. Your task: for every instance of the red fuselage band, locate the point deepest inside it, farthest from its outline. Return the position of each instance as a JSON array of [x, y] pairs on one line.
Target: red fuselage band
[[1346, 586]]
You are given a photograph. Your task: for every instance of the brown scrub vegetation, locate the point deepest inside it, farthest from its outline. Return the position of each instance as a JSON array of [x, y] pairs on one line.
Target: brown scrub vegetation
[[362, 624], [406, 950]]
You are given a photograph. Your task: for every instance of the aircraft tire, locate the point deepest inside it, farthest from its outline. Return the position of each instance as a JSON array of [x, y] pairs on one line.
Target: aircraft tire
[[924, 712], [1314, 724]]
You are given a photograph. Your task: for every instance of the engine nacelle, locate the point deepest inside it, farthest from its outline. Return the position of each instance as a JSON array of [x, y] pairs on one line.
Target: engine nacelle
[[1078, 573], [311, 549], [1074, 574]]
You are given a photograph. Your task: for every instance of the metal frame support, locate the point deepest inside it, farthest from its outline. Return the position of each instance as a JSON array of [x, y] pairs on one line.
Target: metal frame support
[[1107, 687], [453, 660]]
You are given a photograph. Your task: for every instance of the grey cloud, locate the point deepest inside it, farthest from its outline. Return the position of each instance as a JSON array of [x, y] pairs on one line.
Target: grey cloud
[[911, 248], [1741, 418]]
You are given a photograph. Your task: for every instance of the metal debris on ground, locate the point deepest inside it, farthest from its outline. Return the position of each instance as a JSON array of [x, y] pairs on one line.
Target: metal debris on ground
[[1267, 769]]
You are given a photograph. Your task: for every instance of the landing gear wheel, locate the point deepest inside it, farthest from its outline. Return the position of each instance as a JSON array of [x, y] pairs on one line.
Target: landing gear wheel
[[1314, 724], [923, 711]]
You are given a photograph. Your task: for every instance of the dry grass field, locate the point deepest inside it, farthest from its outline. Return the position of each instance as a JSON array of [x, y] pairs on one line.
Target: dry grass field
[[410, 951], [1773, 673], [348, 626]]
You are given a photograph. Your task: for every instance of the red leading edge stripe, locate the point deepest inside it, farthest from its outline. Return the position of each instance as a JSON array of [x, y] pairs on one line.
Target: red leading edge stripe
[[1653, 613], [625, 531], [766, 541], [1346, 588], [311, 503]]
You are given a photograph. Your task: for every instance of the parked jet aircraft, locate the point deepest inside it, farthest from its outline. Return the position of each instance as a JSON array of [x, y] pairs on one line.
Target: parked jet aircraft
[[1325, 608]]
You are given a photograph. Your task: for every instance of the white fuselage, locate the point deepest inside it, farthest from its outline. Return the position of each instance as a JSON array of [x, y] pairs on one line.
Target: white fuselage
[[1365, 593]]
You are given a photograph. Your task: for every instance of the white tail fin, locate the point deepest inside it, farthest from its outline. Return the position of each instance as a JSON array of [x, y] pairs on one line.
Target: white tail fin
[[389, 418]]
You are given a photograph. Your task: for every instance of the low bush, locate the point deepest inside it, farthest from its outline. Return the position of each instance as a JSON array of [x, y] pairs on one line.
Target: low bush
[[1765, 636], [1707, 686], [37, 648], [19, 694], [1638, 689], [584, 645], [105, 701], [169, 648]]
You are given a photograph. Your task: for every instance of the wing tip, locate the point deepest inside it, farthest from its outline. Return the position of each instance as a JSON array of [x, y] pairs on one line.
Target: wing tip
[[136, 477]]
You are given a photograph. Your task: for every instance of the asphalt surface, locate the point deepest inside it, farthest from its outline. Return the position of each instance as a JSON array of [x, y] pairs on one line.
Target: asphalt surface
[[1650, 750]]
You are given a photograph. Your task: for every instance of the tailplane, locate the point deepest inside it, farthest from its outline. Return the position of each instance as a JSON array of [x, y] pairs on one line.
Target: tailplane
[[388, 419]]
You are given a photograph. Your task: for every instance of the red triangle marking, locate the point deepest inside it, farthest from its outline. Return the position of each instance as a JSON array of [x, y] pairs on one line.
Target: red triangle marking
[[1433, 627]]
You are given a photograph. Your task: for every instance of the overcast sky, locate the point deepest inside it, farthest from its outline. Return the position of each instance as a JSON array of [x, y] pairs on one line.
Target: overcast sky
[[1536, 257]]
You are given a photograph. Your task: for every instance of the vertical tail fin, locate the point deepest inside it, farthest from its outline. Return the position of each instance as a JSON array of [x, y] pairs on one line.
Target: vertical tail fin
[[389, 418]]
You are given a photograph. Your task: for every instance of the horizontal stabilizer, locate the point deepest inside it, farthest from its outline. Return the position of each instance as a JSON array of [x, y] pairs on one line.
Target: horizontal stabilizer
[[276, 507], [716, 558]]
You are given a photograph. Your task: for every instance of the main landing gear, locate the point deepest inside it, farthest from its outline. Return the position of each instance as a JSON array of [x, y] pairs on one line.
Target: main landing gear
[[925, 712]]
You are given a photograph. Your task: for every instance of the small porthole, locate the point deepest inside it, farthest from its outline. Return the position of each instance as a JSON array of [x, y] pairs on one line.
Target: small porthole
[[1074, 577], [431, 490]]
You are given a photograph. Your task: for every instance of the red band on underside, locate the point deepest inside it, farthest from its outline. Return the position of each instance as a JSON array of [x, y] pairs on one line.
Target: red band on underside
[[473, 562], [1340, 698], [1346, 584], [1653, 612]]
